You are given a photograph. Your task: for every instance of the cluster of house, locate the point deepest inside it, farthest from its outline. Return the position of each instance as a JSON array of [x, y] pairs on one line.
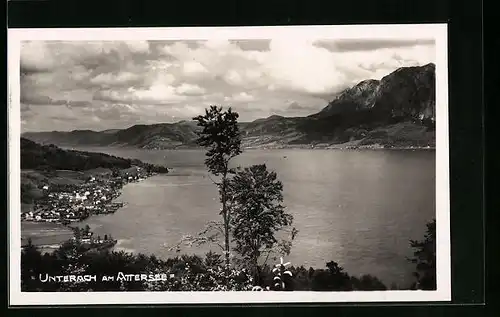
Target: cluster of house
[[77, 203]]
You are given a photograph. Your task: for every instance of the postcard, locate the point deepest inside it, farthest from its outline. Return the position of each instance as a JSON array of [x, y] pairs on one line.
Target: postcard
[[300, 164]]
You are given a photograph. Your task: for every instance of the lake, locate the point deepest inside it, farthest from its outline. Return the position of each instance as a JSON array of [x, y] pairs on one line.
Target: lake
[[359, 208]]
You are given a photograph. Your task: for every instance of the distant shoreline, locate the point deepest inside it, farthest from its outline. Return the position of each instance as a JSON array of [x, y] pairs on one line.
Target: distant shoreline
[[334, 147], [264, 147]]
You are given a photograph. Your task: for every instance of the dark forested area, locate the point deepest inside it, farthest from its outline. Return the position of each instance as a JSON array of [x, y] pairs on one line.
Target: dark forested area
[[50, 157]]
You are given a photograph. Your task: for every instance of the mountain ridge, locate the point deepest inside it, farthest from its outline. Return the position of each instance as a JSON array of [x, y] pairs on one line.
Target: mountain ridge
[[36, 156], [396, 111]]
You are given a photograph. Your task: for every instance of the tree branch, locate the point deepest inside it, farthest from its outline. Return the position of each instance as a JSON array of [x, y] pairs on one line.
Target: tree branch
[[215, 183]]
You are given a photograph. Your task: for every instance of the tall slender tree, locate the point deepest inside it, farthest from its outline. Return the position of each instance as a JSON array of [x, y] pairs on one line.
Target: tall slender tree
[[221, 136]]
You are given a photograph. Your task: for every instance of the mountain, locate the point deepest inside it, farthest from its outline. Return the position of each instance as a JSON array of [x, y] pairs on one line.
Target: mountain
[[162, 135], [360, 97], [407, 93], [74, 137], [396, 111]]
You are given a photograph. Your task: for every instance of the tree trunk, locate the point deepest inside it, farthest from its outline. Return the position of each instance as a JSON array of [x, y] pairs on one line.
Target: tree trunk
[[225, 217], [256, 276], [226, 242], [257, 270]]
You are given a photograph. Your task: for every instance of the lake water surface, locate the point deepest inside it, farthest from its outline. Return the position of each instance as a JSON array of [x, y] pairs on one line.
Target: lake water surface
[[358, 208]]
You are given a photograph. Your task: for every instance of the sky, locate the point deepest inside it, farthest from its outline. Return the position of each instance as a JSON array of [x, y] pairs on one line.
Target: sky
[[103, 85]]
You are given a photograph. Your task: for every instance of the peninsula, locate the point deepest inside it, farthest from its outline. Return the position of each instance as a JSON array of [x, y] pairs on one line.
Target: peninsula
[[65, 186]]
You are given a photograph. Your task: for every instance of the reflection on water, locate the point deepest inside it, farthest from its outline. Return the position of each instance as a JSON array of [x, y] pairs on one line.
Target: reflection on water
[[44, 233], [358, 208]]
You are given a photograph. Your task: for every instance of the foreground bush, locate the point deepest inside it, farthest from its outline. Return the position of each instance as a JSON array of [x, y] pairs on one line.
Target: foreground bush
[[194, 273], [182, 273]]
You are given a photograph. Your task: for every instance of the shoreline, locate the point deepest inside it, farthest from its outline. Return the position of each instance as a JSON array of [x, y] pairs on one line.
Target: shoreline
[[342, 146], [60, 228], [338, 148]]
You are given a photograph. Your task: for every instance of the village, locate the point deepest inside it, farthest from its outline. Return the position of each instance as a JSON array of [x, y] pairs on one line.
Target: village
[[66, 204]]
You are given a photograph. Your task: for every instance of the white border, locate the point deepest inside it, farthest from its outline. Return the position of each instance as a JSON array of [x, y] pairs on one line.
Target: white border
[[408, 31]]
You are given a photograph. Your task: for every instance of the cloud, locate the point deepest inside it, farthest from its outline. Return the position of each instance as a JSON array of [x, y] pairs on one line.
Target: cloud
[[138, 46], [252, 45], [241, 97], [296, 106], [349, 45], [302, 66], [189, 90], [110, 112], [36, 100], [117, 79], [157, 94], [41, 100], [194, 68], [116, 83], [298, 65], [77, 103], [47, 55], [35, 58]]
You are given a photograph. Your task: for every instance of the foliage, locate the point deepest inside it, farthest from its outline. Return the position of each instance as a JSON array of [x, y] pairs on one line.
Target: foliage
[[367, 282], [29, 192], [81, 233], [36, 156], [425, 259], [253, 195], [334, 278], [220, 134], [257, 213], [211, 234], [289, 278], [72, 262], [282, 276], [184, 273], [31, 265]]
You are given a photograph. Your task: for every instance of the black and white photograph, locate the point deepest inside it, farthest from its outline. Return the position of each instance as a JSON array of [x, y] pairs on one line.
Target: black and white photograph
[[228, 165]]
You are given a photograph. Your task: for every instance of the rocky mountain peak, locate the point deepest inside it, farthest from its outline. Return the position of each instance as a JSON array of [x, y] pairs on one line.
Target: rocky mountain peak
[[358, 97], [407, 92]]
